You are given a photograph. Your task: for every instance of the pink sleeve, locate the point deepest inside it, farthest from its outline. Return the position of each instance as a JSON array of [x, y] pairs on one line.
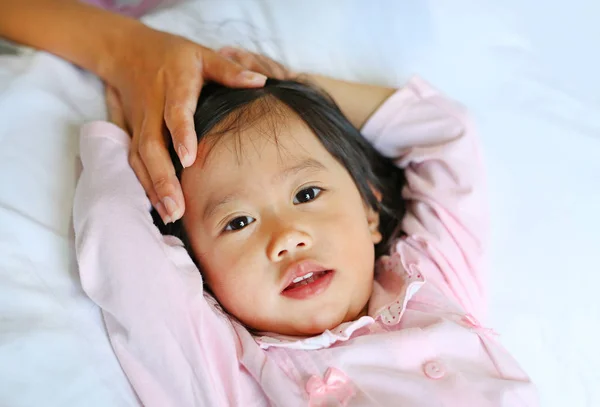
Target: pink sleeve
[[173, 346], [432, 138]]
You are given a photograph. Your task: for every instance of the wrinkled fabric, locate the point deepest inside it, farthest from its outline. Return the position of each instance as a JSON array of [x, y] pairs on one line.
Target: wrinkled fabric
[[423, 342]]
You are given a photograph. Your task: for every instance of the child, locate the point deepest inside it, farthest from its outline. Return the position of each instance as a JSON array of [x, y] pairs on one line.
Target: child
[[287, 206]]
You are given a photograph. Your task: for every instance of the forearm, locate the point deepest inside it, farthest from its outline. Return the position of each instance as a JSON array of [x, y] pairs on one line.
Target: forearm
[[148, 288], [84, 35], [356, 100]]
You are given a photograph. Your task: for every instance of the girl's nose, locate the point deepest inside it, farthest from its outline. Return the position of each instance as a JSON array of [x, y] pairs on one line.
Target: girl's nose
[[288, 241]]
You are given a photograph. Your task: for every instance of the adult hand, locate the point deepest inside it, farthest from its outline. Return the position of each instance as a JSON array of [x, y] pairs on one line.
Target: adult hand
[[156, 78], [257, 63]]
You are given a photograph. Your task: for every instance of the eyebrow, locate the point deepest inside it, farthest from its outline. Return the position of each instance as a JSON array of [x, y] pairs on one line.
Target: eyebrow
[[309, 164], [304, 165]]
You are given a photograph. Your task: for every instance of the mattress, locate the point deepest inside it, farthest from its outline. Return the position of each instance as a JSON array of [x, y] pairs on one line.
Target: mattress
[[527, 70]]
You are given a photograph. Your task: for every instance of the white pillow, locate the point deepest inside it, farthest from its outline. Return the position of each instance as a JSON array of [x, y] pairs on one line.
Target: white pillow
[[533, 88]]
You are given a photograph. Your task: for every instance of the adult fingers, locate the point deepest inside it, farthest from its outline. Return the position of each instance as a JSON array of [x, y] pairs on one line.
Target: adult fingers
[[155, 158], [245, 58], [218, 68], [117, 116], [135, 161], [228, 51], [182, 90], [255, 62]]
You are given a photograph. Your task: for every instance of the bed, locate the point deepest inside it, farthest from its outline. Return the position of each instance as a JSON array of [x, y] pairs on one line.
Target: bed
[[527, 70]]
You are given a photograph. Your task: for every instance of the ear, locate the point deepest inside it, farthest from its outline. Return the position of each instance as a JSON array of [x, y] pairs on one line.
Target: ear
[[373, 218]]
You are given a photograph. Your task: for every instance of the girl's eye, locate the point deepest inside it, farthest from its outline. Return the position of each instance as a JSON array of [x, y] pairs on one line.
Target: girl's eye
[[307, 195], [239, 223]]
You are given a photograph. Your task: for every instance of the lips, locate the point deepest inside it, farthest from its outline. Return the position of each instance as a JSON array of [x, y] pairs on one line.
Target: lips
[[306, 279]]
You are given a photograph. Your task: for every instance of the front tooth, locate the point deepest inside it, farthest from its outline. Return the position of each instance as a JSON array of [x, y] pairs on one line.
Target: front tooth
[[304, 277]]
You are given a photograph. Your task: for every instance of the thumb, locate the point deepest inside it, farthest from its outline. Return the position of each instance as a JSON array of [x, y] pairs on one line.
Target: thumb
[[220, 69]]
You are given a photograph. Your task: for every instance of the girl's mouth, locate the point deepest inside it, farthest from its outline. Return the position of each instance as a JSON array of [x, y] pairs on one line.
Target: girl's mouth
[[309, 285]]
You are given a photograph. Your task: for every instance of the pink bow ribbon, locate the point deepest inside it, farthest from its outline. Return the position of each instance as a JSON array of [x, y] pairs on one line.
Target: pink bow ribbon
[[336, 386]]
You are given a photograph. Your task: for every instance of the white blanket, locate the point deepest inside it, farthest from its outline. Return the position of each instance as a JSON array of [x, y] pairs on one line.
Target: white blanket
[[528, 71]]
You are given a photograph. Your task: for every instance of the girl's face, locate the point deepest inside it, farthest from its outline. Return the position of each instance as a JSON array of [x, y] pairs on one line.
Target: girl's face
[[264, 211]]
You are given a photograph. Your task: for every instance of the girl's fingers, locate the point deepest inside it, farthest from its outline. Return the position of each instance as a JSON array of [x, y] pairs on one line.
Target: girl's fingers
[[218, 68]]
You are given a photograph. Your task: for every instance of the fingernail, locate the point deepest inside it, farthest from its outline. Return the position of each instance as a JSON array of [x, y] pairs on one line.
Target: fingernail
[[183, 155], [171, 207], [160, 208], [253, 78]]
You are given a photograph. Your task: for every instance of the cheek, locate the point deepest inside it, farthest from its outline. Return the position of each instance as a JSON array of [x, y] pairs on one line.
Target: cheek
[[228, 272], [346, 234], [346, 216], [222, 267], [347, 243], [344, 237], [344, 227]]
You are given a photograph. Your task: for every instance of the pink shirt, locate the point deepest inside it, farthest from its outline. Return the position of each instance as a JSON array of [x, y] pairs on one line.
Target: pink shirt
[[421, 344]]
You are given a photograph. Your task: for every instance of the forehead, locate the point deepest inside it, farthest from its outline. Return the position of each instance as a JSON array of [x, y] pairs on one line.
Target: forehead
[[273, 141], [253, 161]]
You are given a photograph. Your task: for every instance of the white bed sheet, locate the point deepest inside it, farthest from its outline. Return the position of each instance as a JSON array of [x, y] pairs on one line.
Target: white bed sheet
[[528, 71]]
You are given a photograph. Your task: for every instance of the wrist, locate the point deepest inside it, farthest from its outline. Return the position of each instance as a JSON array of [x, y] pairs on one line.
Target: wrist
[[115, 47]]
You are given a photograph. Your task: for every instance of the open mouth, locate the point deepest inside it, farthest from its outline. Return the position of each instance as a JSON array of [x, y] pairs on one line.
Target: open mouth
[[309, 284]]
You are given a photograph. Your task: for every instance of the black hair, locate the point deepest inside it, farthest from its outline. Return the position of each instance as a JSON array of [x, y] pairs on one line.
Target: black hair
[[229, 109]]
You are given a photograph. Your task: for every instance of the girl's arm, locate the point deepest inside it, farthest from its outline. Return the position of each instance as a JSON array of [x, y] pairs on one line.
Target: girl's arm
[[357, 101], [174, 347], [446, 223]]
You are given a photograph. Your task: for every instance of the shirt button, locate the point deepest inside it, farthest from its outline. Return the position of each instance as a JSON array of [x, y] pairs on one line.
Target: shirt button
[[434, 370]]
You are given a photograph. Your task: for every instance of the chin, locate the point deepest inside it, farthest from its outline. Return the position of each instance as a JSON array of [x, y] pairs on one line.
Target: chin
[[318, 323], [326, 318]]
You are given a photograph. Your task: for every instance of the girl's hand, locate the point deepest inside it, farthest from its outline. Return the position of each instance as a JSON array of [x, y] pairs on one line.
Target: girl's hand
[[154, 80]]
